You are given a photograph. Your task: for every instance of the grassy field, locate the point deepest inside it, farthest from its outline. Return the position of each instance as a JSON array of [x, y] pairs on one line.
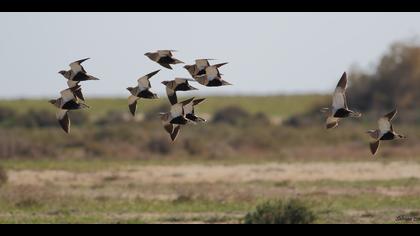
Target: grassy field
[[138, 192], [128, 172], [284, 106]]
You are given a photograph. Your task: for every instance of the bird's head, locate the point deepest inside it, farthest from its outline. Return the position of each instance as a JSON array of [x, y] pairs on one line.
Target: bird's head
[[53, 101], [62, 72], [66, 74]]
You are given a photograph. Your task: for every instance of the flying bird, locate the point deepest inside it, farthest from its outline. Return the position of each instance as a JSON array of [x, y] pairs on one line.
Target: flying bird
[[211, 78], [67, 101], [385, 132], [173, 120], [142, 90], [76, 73], [179, 84], [199, 68], [163, 58], [190, 111], [339, 108]]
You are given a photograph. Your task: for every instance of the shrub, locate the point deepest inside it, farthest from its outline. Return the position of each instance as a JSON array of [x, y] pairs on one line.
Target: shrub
[[280, 212], [78, 118], [37, 118], [114, 117], [14, 144], [3, 176], [231, 115], [7, 116], [159, 146]]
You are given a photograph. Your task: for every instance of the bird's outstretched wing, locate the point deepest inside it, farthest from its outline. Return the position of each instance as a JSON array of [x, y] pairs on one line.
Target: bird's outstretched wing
[[165, 53], [77, 67], [202, 63], [175, 132], [144, 82], [339, 96], [173, 99], [132, 104], [385, 124], [64, 120], [390, 116], [182, 80], [374, 147]]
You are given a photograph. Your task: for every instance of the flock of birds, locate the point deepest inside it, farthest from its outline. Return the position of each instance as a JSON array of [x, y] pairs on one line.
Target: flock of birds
[[180, 114], [183, 113], [340, 110]]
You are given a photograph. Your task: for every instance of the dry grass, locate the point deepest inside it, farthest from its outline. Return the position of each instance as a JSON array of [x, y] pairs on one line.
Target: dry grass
[[359, 192]]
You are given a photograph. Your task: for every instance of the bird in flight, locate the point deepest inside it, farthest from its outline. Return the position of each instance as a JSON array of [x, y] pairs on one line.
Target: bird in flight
[[164, 58], [68, 101], [178, 84], [190, 111], [76, 73], [142, 90], [339, 109], [385, 132], [175, 118], [211, 78], [199, 68]]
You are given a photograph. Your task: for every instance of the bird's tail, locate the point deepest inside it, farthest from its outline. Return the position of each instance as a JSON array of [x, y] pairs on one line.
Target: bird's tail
[[224, 83], [176, 61], [325, 110], [84, 106], [355, 114], [200, 120], [92, 78], [220, 64]]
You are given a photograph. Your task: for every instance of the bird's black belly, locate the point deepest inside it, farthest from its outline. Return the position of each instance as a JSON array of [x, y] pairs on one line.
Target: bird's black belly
[[146, 94], [81, 77], [201, 72], [342, 113], [166, 60], [215, 83], [179, 121], [71, 105], [388, 136], [182, 87]]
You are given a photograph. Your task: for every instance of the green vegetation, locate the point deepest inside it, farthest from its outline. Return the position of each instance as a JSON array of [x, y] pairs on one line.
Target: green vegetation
[[272, 105], [126, 200], [280, 212]]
